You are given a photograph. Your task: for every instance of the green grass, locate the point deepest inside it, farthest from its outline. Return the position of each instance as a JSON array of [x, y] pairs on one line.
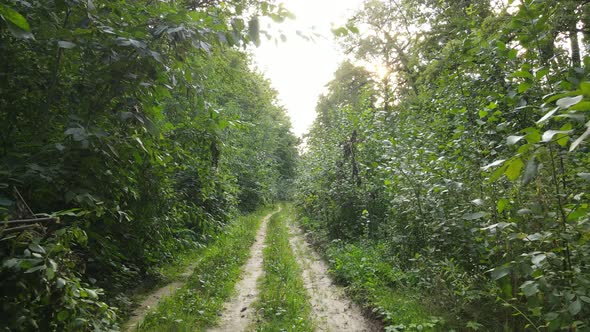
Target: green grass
[[174, 271], [283, 303], [167, 273], [218, 266], [374, 283]]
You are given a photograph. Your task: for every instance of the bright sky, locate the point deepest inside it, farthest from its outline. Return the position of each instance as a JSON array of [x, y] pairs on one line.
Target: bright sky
[[299, 69]]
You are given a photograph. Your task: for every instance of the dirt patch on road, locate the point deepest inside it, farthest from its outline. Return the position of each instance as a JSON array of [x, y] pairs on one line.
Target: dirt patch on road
[[238, 314], [331, 310], [150, 302]]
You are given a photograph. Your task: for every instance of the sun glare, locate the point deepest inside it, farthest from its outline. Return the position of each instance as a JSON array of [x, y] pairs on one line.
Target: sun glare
[[298, 68]]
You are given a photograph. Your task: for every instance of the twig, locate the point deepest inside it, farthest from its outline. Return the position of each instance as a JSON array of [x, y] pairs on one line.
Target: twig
[[19, 228], [28, 221]]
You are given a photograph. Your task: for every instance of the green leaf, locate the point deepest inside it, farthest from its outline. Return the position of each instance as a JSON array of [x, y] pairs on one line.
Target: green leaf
[[512, 54], [340, 32], [12, 16], [563, 138], [511, 140], [498, 173], [585, 176], [541, 73], [548, 135], [495, 163], [502, 204], [530, 171], [575, 307], [138, 140], [10, 263], [36, 268], [65, 44], [91, 293], [514, 168], [532, 135], [579, 212], [60, 283], [34, 247], [551, 316], [582, 106], [62, 315], [547, 115], [352, 28], [506, 287], [475, 215], [538, 259], [77, 133], [523, 74], [581, 138], [254, 31], [477, 201], [529, 288], [534, 237], [524, 86], [568, 102], [500, 272], [50, 273]]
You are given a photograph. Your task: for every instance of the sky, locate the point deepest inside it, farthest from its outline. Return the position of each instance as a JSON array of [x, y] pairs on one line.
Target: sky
[[300, 69]]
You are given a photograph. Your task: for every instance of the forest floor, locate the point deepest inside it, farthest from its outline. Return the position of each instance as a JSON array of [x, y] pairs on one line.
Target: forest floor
[[329, 308]]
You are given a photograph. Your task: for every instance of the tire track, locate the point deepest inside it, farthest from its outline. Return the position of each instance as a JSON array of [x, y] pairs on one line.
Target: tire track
[[331, 310], [238, 314]]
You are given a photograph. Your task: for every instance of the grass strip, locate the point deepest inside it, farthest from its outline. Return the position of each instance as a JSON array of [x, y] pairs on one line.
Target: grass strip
[[197, 305], [283, 303]]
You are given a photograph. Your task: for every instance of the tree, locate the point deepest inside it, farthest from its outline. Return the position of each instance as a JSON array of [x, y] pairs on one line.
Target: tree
[[127, 121], [472, 169]]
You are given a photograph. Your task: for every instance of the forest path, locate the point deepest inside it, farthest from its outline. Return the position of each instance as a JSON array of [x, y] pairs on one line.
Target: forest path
[[331, 309], [239, 313], [151, 301]]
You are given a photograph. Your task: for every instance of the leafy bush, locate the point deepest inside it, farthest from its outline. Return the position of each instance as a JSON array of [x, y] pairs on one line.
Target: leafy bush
[[465, 160], [44, 275]]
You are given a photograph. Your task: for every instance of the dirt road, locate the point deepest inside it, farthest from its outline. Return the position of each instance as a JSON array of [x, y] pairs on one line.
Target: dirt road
[[331, 310]]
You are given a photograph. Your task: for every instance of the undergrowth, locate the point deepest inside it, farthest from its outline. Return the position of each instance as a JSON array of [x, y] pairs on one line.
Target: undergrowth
[[167, 273], [374, 283], [283, 303], [197, 305]]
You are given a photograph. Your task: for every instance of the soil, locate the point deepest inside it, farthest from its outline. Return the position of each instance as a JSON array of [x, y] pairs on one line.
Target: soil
[[331, 310], [239, 313], [150, 302]]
